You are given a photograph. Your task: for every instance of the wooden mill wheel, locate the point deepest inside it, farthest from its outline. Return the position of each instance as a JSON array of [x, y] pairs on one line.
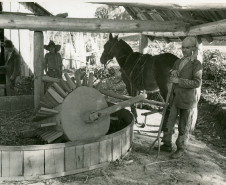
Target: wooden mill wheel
[[75, 112]]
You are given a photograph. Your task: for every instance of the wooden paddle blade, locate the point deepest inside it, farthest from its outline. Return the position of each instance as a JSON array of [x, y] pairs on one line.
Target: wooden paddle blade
[[90, 81], [55, 95], [69, 81], [78, 78], [59, 90], [65, 86]]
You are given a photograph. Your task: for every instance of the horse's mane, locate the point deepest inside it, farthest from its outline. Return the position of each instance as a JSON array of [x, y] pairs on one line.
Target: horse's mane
[[126, 46]]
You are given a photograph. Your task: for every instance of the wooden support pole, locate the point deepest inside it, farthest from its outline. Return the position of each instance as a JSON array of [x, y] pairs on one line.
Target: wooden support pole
[[44, 23], [38, 66], [107, 111], [124, 97], [143, 42]]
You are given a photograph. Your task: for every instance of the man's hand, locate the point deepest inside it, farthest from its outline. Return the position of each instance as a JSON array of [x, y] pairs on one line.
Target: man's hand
[[174, 73], [174, 80]]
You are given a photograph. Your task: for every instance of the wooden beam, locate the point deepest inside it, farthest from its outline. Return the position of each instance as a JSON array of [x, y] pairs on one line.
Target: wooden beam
[[169, 4], [38, 67], [166, 34], [202, 29], [208, 28], [87, 25]]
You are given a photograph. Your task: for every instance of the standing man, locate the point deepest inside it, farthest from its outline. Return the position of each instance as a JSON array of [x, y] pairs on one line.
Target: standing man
[[53, 62], [186, 77], [11, 67]]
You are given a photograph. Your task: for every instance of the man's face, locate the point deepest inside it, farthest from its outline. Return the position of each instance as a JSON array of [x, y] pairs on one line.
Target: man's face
[[187, 49], [52, 49]]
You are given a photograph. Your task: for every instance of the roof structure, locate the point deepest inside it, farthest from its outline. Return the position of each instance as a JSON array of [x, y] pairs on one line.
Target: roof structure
[[207, 19], [170, 20]]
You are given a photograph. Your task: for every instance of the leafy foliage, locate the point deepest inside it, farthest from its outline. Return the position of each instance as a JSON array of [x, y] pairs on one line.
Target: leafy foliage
[[214, 68], [112, 12]]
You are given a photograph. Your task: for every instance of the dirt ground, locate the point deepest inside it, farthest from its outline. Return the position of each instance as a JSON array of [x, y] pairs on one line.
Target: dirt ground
[[201, 165]]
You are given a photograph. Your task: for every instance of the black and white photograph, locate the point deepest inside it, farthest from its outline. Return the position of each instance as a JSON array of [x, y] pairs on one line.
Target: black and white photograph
[[107, 92]]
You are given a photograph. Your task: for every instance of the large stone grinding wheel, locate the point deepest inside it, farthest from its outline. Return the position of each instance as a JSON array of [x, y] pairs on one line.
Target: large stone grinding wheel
[[75, 107], [75, 112]]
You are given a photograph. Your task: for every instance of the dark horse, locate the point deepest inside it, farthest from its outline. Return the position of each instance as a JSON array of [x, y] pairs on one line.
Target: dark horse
[[139, 71]]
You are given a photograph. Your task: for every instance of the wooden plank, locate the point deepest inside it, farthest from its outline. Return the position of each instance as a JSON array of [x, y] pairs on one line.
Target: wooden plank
[[103, 151], [16, 163], [117, 147], [55, 95], [79, 156], [95, 148], [90, 80], [69, 81], [128, 138], [46, 78], [43, 177], [51, 111], [70, 158], [59, 90], [54, 161], [5, 164], [87, 155], [48, 124], [124, 147], [65, 86], [54, 137], [46, 102], [51, 99], [48, 134], [34, 163], [78, 77], [109, 150]]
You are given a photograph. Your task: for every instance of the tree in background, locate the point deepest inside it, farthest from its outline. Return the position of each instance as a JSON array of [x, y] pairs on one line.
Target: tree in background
[[112, 12]]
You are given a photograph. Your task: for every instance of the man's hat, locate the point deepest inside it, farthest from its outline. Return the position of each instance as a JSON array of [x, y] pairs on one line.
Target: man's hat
[[51, 43], [8, 44]]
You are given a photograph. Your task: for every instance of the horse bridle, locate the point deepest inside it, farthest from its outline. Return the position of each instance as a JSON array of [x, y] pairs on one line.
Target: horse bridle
[[109, 53]]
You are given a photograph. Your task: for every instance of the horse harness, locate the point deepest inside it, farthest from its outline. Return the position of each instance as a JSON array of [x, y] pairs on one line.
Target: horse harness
[[136, 75]]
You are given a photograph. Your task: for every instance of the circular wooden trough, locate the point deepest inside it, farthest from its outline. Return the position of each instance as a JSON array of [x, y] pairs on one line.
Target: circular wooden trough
[[35, 162]]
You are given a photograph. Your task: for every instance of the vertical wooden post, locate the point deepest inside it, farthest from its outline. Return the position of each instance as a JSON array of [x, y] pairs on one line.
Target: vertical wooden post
[[143, 43], [38, 66]]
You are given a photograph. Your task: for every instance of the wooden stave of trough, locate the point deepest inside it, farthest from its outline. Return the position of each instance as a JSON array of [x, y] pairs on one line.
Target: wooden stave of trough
[[37, 162]]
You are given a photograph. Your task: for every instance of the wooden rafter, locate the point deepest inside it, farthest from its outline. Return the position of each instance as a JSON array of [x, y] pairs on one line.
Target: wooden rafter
[[169, 4], [43, 23]]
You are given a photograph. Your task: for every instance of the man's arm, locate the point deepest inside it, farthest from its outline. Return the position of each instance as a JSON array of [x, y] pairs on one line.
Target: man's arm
[[196, 79]]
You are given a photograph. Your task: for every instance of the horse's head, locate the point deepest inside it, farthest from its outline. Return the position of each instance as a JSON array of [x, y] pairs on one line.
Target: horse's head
[[109, 47]]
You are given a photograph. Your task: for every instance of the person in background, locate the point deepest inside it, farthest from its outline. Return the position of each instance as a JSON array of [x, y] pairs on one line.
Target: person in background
[[53, 61], [11, 67], [186, 77]]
